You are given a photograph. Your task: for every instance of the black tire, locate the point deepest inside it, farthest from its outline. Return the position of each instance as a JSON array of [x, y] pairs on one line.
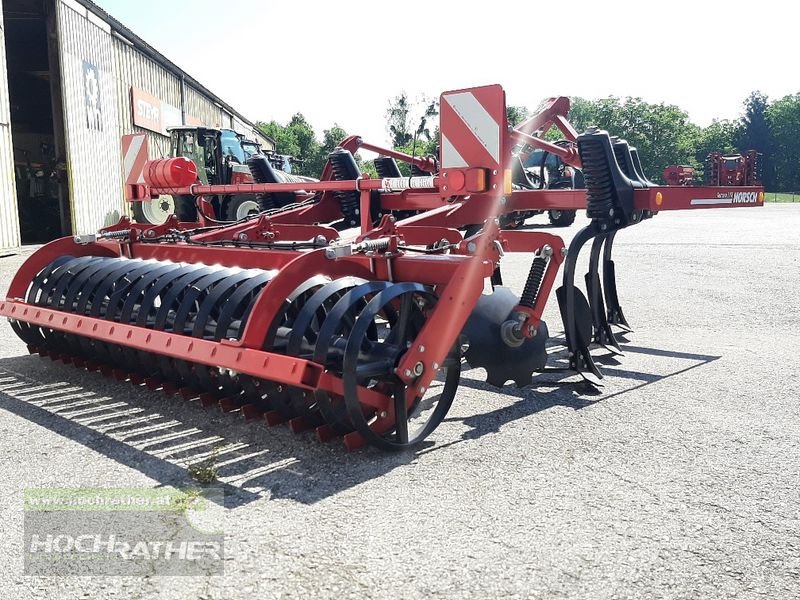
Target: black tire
[[236, 208], [155, 212], [185, 208], [561, 218]]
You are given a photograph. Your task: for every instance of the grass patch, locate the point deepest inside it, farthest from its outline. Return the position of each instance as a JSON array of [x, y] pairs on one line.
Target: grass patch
[[206, 471], [781, 197]]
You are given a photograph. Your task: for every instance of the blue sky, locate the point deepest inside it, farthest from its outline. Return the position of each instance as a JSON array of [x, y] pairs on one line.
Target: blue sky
[[341, 62]]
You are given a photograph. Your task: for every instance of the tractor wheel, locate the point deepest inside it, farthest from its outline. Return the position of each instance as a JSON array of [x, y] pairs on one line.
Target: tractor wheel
[[240, 207], [156, 211], [561, 218]]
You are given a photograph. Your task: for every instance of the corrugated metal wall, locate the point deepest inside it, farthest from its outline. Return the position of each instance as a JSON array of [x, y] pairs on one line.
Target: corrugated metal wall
[[204, 109], [132, 68], [9, 218], [89, 91]]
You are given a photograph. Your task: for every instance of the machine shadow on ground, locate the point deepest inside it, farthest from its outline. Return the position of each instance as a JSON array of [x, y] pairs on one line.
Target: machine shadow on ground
[[161, 437], [563, 388]]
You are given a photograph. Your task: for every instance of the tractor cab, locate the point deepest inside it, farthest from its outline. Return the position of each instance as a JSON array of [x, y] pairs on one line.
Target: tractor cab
[[214, 151], [200, 145], [547, 170], [250, 148]]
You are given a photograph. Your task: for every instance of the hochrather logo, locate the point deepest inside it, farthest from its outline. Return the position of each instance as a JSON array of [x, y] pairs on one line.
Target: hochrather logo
[[128, 550], [131, 532]]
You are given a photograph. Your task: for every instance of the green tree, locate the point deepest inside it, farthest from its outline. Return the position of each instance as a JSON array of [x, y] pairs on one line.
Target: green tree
[[662, 133], [307, 142], [755, 134], [516, 114], [285, 140], [297, 139], [582, 113], [330, 139], [407, 121], [398, 120], [719, 136], [783, 120]]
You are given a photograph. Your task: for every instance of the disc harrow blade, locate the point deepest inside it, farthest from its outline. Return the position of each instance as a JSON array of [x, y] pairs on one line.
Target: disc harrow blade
[[487, 349]]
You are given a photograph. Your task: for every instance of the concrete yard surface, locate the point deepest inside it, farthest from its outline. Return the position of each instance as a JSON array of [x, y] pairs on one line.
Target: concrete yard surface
[[677, 479]]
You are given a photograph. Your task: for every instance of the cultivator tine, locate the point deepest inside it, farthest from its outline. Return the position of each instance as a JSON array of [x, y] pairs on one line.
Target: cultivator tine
[[610, 206], [615, 316], [576, 313], [602, 333]]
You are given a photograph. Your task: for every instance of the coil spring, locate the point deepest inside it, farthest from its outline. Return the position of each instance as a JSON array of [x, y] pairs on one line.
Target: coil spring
[[115, 235], [373, 245], [534, 282], [345, 168], [599, 185], [386, 167]]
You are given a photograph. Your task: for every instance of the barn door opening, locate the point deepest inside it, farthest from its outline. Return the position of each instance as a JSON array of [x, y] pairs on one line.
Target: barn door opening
[[37, 123]]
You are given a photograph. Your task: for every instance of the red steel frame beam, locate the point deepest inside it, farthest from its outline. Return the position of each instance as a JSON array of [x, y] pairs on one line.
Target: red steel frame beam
[[288, 370], [662, 198]]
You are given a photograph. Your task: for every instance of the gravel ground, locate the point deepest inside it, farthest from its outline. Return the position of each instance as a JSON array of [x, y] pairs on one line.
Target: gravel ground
[[678, 480]]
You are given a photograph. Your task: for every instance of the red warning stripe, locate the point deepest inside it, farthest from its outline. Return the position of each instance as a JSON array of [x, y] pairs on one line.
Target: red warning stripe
[[134, 157], [471, 127]]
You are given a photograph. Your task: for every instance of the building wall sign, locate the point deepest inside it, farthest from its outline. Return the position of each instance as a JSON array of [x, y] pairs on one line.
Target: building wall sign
[[153, 114], [91, 94], [146, 110]]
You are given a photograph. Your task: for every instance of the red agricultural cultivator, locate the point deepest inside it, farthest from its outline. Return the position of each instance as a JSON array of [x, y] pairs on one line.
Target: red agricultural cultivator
[[344, 305]]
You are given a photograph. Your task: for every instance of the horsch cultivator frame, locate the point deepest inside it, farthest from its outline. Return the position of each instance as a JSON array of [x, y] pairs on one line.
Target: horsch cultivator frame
[[344, 306]]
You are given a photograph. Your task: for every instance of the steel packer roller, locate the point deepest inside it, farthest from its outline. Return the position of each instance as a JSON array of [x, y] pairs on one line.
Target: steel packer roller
[[345, 305]]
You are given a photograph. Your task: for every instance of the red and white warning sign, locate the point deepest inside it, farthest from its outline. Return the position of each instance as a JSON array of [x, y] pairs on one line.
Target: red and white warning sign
[[471, 128], [134, 156]]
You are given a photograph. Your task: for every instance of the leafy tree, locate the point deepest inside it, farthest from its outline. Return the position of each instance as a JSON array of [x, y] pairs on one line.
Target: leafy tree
[[285, 140], [783, 120], [330, 139], [402, 122], [303, 133], [516, 114], [582, 114], [662, 133], [398, 120], [430, 111], [755, 134], [719, 136]]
